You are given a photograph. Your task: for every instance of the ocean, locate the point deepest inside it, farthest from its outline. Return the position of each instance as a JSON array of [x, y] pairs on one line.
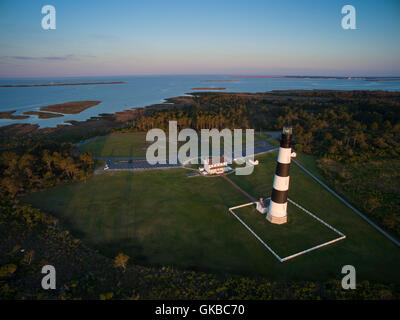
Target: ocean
[[140, 91]]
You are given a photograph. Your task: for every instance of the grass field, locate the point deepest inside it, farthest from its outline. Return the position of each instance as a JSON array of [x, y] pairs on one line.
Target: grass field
[[134, 145], [164, 218], [310, 162], [301, 227], [117, 145]]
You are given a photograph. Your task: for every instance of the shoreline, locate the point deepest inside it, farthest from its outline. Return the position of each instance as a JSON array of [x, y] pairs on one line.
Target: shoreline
[[52, 111], [209, 89], [106, 122], [320, 77], [58, 84]]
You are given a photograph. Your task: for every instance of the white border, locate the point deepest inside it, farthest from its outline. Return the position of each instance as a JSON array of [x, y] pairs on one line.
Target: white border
[[342, 236]]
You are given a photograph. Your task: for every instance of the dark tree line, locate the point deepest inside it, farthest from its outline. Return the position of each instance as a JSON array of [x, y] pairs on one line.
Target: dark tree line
[[345, 126], [41, 165]]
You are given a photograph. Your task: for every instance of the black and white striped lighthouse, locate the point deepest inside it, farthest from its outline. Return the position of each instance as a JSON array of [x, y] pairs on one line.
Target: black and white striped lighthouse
[[277, 209]]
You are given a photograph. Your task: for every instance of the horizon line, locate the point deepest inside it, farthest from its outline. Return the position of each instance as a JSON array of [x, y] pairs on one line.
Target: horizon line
[[200, 74]]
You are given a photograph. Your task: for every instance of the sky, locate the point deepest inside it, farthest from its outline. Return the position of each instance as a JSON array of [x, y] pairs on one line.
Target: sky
[[282, 37]]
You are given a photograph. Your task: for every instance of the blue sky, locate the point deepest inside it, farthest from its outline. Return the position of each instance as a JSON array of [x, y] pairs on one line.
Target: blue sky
[[95, 38]]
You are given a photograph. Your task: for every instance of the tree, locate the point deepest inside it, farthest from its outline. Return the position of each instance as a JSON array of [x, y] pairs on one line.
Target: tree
[[121, 261], [7, 270], [28, 257]]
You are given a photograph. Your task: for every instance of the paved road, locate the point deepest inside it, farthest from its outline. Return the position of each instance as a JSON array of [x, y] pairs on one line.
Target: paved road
[[349, 205], [120, 158]]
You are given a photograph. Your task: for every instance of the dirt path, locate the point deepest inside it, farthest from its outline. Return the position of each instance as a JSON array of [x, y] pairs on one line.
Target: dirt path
[[239, 188]]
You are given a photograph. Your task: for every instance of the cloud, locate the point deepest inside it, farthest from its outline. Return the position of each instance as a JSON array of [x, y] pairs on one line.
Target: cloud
[[49, 58]]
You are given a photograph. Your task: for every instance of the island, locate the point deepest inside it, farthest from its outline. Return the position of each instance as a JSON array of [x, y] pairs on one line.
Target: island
[[10, 115], [223, 80], [55, 84], [207, 89], [72, 107], [44, 115], [52, 111], [319, 78]]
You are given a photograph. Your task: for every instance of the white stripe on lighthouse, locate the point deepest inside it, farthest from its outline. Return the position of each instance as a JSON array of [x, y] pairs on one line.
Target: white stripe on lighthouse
[[284, 155], [277, 209], [281, 183]]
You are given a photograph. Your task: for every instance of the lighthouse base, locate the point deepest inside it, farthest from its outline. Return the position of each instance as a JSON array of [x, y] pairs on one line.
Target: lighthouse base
[[276, 220], [277, 212]]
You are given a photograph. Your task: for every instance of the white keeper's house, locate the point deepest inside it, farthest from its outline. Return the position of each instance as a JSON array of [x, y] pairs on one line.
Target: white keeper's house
[[215, 165]]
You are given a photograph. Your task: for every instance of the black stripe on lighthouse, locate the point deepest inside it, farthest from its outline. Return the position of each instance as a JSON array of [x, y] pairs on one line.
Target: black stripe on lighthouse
[[285, 140], [282, 169], [279, 196], [281, 179]]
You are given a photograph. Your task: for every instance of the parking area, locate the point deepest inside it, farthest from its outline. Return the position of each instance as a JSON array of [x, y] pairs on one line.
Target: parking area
[[140, 163], [112, 164]]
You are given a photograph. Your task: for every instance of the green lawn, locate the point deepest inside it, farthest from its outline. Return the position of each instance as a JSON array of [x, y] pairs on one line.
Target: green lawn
[[135, 145], [301, 231], [373, 255], [310, 163], [117, 145], [164, 218]]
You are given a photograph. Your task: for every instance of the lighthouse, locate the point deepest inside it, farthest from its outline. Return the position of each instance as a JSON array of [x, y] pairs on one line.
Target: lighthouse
[[277, 207]]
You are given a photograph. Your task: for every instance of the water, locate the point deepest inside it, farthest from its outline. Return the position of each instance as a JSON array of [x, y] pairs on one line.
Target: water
[[140, 91]]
